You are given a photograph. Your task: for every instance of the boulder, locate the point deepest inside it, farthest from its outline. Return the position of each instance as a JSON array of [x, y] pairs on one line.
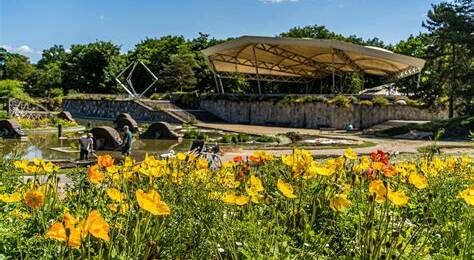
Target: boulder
[[106, 138], [65, 115], [124, 119], [160, 130], [9, 128]]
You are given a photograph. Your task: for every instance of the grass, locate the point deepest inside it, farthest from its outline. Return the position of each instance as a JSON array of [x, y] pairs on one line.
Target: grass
[[455, 128]]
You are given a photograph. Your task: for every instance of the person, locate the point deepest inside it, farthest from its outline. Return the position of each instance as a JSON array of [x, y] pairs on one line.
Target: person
[[86, 143], [127, 141]]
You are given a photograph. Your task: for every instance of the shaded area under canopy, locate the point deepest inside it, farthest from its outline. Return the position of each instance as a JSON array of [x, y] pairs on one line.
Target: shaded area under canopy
[[303, 60]]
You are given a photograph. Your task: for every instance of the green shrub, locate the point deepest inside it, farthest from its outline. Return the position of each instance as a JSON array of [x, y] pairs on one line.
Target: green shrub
[[226, 139], [186, 99], [267, 139], [341, 101], [195, 134], [235, 138], [380, 101], [367, 103], [4, 114], [55, 92], [13, 89], [354, 100], [158, 96], [414, 102]]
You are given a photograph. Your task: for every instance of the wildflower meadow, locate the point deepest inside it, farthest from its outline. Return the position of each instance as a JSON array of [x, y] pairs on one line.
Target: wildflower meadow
[[261, 207]]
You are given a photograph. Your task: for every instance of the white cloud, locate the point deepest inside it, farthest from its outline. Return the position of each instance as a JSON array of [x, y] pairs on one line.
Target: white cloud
[[23, 49], [6, 47], [276, 1]]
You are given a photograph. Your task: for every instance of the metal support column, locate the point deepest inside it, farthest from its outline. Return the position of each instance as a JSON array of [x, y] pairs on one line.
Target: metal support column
[[333, 89], [418, 81], [256, 70], [222, 85], [217, 84]]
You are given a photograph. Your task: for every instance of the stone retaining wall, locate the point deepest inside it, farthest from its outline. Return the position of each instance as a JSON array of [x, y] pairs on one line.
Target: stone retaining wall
[[109, 109], [313, 115]]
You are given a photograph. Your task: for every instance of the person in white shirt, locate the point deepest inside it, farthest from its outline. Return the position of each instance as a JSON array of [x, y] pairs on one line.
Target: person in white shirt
[[86, 142]]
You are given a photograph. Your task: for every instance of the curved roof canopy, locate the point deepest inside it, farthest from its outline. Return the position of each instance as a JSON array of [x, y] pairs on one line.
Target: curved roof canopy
[[269, 57]]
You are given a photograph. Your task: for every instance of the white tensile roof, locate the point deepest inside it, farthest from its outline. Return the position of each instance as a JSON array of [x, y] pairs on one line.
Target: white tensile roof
[[309, 58]]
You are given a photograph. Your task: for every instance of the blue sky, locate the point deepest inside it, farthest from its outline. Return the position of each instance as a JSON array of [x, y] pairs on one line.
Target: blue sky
[[29, 26]]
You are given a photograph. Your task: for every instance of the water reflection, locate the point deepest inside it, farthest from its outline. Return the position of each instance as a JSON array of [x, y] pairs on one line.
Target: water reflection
[[39, 146]]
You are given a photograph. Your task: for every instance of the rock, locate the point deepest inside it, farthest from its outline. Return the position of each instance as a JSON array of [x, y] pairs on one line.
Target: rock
[[9, 128], [123, 115], [106, 138], [125, 119], [65, 115], [132, 124], [160, 130], [401, 102]]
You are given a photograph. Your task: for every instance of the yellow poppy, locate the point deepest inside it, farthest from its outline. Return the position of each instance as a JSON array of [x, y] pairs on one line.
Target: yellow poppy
[[37, 161], [232, 199], [324, 171], [10, 198], [201, 164], [56, 231], [350, 154], [49, 167], [417, 180], [286, 189], [95, 176], [255, 183], [97, 226], [114, 194], [34, 199], [76, 234], [339, 203], [468, 195], [69, 220], [398, 198], [152, 203], [181, 156], [122, 208], [378, 187]]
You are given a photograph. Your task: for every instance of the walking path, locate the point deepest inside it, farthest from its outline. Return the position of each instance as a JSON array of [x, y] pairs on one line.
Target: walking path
[[384, 144]]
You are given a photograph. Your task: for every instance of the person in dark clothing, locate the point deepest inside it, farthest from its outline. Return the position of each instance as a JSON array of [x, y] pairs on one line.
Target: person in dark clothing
[[86, 144], [127, 141]]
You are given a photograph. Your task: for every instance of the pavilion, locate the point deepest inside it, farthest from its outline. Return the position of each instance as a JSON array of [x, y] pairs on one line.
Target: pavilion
[[303, 60]]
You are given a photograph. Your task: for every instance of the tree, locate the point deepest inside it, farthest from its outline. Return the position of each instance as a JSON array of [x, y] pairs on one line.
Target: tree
[[178, 74], [15, 66], [155, 53], [55, 54], [451, 27], [45, 79], [92, 67]]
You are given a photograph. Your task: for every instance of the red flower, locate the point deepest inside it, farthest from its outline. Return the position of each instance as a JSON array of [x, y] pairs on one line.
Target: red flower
[[238, 159], [379, 156], [254, 158]]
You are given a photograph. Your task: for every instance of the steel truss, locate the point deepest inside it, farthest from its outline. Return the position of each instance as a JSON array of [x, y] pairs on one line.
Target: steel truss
[[268, 78]]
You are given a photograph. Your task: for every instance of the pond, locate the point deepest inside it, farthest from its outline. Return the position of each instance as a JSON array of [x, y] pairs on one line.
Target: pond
[[49, 147]]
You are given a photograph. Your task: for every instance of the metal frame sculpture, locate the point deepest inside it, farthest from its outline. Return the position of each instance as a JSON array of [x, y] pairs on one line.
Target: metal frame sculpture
[[130, 89], [23, 109]]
